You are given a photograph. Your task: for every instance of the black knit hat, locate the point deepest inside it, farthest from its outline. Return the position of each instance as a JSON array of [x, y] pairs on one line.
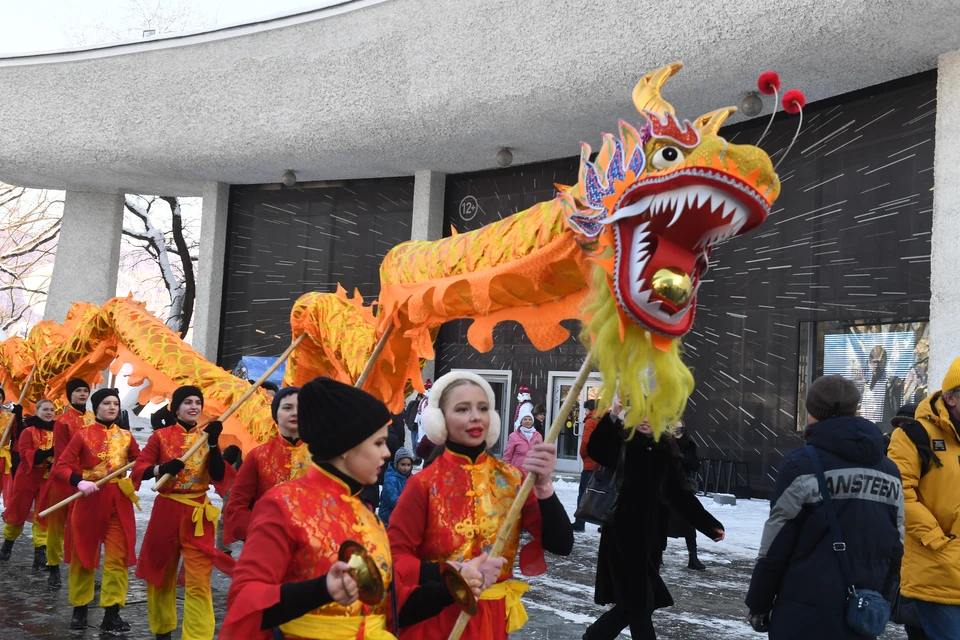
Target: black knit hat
[[102, 394], [277, 399], [334, 417], [73, 385], [832, 397], [182, 394]]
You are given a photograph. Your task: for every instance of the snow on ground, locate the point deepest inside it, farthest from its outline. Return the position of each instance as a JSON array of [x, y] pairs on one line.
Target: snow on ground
[[709, 605]]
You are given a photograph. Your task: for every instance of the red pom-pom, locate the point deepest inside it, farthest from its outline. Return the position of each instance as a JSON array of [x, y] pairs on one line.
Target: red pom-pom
[[793, 101], [768, 83]]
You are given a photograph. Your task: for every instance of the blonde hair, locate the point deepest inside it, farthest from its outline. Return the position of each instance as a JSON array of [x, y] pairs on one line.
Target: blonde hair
[[445, 396], [43, 401], [652, 383]]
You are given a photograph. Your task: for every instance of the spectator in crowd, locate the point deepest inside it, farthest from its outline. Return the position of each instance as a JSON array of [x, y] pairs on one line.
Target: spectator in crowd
[[908, 615], [931, 492], [410, 421], [524, 438], [632, 543], [680, 527], [590, 421], [393, 483], [539, 420], [427, 451], [798, 589]]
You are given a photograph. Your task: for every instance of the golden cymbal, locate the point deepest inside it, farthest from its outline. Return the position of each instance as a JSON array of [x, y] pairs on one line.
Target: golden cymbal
[[459, 589], [364, 571]]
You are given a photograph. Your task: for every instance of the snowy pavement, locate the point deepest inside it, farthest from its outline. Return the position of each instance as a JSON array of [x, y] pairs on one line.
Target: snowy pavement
[[709, 605]]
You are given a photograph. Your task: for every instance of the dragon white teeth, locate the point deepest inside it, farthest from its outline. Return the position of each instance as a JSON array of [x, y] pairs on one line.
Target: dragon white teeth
[[676, 216], [639, 288], [729, 208]]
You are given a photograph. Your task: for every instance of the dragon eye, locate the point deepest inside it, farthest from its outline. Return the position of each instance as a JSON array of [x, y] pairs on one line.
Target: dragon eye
[[667, 157]]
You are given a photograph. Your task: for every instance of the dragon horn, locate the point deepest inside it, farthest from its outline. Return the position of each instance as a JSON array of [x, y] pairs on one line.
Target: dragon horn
[[710, 123], [646, 95]]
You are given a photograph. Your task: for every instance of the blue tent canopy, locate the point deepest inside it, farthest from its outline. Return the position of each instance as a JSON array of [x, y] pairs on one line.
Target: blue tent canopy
[[252, 367]]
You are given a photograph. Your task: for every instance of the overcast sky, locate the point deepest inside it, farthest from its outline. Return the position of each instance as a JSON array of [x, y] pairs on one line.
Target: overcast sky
[[44, 25]]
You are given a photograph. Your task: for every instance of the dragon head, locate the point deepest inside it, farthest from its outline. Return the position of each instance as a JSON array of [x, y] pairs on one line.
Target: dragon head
[[648, 212], [653, 204]]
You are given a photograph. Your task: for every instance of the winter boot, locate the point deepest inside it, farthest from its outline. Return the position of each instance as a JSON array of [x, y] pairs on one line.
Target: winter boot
[[164, 636], [39, 558], [695, 563], [6, 550], [79, 619], [53, 580], [112, 622]]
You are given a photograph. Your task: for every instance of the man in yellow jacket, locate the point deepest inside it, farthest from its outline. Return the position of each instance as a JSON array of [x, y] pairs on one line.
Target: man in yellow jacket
[[931, 555]]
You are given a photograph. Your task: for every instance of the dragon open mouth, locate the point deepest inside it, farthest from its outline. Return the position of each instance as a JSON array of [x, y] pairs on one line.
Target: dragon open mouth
[[665, 228]]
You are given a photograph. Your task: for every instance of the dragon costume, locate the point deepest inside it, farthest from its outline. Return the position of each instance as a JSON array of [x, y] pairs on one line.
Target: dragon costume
[[624, 249]]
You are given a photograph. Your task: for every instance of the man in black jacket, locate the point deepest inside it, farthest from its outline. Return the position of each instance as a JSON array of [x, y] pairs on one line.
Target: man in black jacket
[[797, 590]]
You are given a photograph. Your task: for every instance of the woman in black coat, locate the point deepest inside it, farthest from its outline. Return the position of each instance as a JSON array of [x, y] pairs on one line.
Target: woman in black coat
[[679, 526], [631, 546]]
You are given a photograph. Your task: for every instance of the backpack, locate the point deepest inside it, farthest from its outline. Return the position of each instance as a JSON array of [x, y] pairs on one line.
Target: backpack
[[921, 440]]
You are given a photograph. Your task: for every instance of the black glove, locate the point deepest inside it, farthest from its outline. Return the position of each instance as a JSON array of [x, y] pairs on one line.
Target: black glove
[[760, 622], [214, 429], [173, 467], [231, 454], [41, 455], [18, 411]]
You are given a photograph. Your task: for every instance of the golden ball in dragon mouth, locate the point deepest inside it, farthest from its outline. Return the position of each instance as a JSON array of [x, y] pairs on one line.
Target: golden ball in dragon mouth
[[673, 285]]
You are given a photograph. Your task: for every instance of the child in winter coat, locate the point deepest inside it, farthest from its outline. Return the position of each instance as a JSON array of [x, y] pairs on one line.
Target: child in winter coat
[[394, 481], [523, 439]]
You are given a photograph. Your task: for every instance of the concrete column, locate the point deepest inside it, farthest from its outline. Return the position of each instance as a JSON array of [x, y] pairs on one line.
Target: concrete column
[[88, 252], [428, 190], [944, 255], [213, 252], [427, 223]]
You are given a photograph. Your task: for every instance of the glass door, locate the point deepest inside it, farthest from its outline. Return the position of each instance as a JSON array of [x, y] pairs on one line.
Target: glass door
[[568, 444]]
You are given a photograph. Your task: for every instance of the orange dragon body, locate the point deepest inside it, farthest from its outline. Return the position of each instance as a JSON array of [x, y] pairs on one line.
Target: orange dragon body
[[624, 250]]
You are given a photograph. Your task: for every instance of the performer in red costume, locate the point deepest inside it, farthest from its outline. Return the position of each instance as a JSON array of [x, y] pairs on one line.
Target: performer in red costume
[[454, 509], [103, 517], [74, 417], [36, 458], [284, 458], [288, 576], [182, 522], [9, 454]]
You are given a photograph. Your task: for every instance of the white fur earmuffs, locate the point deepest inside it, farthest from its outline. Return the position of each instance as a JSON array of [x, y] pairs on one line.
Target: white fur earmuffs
[[432, 421]]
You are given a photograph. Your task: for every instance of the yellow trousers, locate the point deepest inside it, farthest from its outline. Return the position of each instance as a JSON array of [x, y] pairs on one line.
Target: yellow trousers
[[13, 531], [198, 620], [55, 531], [113, 586]]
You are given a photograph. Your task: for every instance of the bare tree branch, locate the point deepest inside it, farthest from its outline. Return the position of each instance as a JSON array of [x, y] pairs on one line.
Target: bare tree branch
[[53, 233]]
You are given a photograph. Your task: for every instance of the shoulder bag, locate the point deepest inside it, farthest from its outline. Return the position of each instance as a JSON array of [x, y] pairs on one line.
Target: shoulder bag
[[602, 493]]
